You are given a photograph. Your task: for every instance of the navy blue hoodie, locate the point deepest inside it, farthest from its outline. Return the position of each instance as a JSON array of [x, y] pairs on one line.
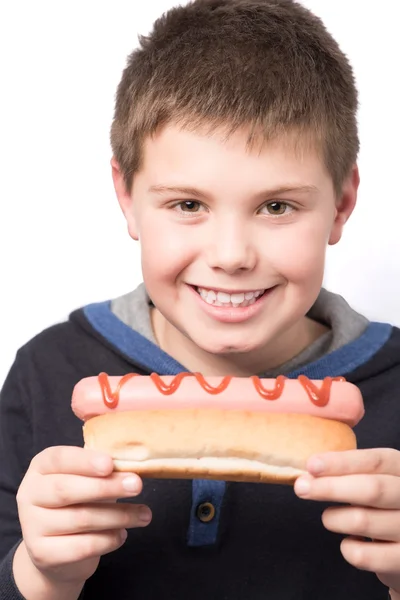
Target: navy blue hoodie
[[263, 542]]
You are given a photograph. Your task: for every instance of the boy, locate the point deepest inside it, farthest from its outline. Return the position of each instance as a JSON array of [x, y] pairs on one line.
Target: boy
[[234, 162]]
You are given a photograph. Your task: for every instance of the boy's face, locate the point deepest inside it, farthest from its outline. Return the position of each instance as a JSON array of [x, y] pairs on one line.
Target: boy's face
[[233, 242]]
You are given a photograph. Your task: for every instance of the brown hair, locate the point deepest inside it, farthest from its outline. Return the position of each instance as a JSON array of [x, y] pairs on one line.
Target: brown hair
[[267, 65]]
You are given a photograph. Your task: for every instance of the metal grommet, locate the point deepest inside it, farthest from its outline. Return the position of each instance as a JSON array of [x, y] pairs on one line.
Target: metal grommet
[[205, 512]]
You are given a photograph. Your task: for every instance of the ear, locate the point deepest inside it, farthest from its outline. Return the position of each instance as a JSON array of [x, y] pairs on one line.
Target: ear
[[124, 198], [345, 205]]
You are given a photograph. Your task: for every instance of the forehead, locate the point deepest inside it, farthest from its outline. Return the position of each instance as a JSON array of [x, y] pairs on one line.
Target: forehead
[[173, 137], [215, 156]]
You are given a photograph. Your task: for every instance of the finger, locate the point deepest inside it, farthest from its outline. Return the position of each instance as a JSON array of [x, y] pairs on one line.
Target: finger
[[378, 557], [375, 460], [371, 523], [64, 490], [94, 517], [50, 552], [72, 460], [377, 491]]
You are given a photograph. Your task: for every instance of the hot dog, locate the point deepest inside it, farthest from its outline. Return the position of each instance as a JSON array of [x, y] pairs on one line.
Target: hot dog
[[229, 428]]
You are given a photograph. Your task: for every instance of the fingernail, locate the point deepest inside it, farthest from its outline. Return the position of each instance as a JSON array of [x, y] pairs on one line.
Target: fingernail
[[302, 487], [316, 466], [145, 514], [131, 484], [124, 534]]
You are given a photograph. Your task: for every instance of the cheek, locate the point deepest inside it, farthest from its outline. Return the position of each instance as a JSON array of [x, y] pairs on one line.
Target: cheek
[[299, 253], [164, 253]]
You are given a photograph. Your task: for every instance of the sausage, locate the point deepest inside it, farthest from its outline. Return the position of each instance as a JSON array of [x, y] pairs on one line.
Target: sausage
[[334, 399]]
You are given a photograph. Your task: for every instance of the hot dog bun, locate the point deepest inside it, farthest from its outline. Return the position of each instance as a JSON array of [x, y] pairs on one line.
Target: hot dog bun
[[199, 431], [215, 444]]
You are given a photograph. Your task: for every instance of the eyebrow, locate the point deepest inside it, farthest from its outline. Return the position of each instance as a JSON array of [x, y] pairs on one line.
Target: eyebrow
[[197, 193]]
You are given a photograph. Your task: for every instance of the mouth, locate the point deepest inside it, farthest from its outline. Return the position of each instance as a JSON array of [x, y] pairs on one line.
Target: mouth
[[215, 297]]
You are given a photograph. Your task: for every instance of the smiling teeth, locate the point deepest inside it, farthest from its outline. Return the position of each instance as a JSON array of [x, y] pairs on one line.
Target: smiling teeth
[[229, 300]]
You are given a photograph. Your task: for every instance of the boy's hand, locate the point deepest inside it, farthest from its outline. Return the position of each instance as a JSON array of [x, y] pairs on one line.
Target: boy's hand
[[69, 515], [369, 481]]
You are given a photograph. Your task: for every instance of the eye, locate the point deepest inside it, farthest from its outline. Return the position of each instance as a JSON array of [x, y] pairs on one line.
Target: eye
[[185, 208], [188, 209], [278, 208], [189, 206]]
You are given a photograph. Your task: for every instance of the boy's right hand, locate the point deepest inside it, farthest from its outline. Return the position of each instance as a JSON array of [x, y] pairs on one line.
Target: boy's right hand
[[69, 515]]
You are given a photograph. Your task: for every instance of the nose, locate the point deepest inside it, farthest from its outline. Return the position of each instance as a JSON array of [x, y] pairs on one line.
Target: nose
[[231, 248]]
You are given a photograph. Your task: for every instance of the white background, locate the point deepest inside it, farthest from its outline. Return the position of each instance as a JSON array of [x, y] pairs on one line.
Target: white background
[[63, 241]]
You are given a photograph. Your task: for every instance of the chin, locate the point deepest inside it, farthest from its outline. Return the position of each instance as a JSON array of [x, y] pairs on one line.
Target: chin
[[227, 347]]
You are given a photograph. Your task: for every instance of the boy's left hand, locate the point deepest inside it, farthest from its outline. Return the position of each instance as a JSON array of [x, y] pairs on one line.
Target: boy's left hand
[[368, 481]]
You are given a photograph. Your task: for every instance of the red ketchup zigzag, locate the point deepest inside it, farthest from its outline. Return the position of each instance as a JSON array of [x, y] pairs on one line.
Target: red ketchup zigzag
[[319, 396]]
